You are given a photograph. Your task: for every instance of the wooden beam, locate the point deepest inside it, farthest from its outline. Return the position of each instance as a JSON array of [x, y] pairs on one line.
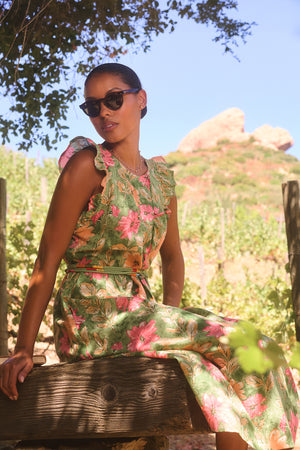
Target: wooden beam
[[3, 276], [102, 398], [291, 205]]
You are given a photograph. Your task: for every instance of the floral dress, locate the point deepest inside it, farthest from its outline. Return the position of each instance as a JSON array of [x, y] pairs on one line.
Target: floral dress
[[105, 307]]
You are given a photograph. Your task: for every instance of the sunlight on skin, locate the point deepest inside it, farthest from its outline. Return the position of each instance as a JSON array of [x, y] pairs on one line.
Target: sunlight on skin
[[230, 441]]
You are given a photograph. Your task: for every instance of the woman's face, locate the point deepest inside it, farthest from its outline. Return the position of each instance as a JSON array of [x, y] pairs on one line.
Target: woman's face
[[119, 125]]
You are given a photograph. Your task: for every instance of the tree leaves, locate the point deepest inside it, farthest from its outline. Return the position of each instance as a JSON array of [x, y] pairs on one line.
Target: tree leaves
[[295, 359], [44, 43], [255, 352]]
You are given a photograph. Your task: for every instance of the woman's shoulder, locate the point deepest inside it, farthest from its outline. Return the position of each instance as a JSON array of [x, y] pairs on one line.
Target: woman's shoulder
[[164, 174], [76, 146], [160, 165]]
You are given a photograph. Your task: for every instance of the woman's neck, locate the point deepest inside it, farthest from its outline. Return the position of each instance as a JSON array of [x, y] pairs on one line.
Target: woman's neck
[[130, 158], [128, 153]]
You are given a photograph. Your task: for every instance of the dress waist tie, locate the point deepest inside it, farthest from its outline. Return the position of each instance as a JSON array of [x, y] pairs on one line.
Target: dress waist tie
[[113, 270]]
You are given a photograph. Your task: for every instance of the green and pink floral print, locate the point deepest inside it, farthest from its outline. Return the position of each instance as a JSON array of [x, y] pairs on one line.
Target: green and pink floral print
[[105, 307]]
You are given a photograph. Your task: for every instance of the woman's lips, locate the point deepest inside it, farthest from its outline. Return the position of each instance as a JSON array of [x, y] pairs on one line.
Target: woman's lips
[[108, 126]]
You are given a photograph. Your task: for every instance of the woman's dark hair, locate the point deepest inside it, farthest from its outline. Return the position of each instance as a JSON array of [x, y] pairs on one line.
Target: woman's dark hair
[[127, 75]]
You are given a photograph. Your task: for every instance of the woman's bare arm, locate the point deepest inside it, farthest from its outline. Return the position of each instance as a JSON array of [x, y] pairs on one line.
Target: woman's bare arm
[[172, 260], [78, 181]]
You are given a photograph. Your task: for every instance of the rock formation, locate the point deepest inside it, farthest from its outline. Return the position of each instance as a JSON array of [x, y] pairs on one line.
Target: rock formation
[[277, 138], [230, 125]]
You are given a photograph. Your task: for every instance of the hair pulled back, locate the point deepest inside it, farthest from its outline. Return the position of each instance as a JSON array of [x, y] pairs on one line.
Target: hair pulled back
[[126, 74]]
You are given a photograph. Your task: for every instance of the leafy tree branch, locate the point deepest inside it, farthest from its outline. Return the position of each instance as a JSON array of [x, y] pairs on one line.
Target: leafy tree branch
[[44, 43]]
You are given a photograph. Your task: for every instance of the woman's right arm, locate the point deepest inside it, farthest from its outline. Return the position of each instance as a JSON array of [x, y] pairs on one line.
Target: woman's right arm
[[78, 181]]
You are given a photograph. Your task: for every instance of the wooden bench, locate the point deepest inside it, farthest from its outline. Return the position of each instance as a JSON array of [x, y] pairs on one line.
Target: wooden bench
[[103, 398]]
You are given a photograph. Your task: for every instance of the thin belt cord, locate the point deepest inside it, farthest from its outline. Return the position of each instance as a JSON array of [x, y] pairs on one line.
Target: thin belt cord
[[113, 270]]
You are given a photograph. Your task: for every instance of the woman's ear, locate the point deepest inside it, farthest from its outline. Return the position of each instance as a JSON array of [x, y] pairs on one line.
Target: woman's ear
[[142, 99]]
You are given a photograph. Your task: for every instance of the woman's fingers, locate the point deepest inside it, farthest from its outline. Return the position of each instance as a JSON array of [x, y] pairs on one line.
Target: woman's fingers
[[8, 381], [24, 372], [11, 385], [15, 368], [4, 377]]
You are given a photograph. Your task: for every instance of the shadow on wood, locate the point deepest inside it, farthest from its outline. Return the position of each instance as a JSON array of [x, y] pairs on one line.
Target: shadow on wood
[[102, 398]]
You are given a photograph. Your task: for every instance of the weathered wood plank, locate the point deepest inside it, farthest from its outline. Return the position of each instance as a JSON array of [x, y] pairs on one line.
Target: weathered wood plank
[[291, 204], [109, 397], [3, 277]]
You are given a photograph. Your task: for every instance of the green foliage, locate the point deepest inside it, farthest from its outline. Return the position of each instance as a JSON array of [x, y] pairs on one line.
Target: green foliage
[[190, 294], [220, 178], [240, 159], [21, 253], [255, 353], [295, 169], [29, 189], [175, 158], [43, 43], [223, 141], [295, 359], [245, 230], [22, 245], [195, 170], [243, 179], [180, 188]]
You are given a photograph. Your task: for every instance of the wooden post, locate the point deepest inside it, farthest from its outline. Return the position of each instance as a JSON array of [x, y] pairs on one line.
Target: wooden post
[[185, 210], [291, 205], [221, 249], [233, 213], [222, 232], [3, 280]]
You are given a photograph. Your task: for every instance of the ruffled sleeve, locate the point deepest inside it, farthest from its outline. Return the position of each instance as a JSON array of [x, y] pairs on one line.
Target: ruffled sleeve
[[75, 145], [102, 158], [164, 176]]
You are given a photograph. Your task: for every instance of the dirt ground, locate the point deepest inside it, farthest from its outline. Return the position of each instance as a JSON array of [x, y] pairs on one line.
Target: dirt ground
[[204, 442], [187, 442]]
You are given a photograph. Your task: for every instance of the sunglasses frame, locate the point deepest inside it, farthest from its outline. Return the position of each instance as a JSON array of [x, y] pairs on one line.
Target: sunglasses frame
[[98, 101]]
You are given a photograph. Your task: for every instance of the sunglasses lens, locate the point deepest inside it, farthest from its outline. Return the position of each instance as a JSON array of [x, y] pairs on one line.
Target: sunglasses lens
[[114, 100], [91, 108]]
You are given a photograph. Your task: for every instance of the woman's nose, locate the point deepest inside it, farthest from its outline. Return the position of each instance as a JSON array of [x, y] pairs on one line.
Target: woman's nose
[[104, 111]]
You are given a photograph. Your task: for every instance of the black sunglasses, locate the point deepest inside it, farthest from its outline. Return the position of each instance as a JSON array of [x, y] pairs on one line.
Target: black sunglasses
[[113, 101]]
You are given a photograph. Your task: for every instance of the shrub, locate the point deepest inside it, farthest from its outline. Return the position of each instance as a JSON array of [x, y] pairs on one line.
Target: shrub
[[223, 141], [180, 188], [241, 159], [242, 178], [220, 178], [295, 169], [176, 158]]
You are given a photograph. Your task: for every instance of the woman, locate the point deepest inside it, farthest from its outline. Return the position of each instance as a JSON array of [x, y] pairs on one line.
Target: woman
[[111, 212]]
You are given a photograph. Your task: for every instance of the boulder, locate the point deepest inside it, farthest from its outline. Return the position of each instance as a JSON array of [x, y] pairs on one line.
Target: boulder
[[229, 124], [278, 138]]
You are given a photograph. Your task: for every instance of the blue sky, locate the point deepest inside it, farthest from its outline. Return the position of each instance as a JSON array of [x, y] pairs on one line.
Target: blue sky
[[189, 79]]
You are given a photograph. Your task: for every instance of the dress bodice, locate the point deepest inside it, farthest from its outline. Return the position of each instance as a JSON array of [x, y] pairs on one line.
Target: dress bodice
[[125, 224]]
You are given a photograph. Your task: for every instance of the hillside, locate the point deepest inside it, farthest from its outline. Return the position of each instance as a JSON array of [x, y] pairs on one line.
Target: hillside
[[241, 173]]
